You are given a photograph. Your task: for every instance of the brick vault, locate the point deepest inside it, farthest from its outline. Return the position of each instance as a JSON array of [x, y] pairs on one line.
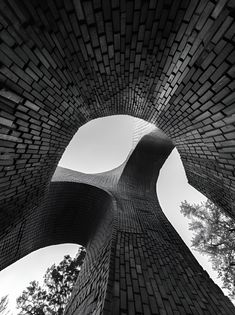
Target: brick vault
[[63, 63]]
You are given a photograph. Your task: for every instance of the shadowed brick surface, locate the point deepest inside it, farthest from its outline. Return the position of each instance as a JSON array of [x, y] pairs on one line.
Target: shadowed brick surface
[[63, 63], [70, 212], [136, 263]]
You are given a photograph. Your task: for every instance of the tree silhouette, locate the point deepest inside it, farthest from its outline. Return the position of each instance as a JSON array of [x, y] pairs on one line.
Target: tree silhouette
[[3, 305], [52, 297], [214, 235]]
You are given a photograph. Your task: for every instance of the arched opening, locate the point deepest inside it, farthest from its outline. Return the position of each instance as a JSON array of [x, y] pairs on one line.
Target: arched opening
[[134, 134], [65, 63], [103, 144], [70, 212], [172, 180]]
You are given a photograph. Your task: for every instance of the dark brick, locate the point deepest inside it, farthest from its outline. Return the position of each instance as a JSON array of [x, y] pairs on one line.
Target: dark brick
[[64, 63]]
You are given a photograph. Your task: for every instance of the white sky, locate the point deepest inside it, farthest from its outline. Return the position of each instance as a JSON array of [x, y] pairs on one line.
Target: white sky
[[98, 146]]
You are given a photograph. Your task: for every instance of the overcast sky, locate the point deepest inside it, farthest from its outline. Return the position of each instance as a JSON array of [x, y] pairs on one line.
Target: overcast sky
[[101, 145]]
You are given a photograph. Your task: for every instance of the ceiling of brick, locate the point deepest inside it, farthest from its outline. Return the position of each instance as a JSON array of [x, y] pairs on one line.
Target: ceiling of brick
[[63, 63]]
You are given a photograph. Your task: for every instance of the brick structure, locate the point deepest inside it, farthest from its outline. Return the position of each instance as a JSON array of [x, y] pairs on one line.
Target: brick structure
[[63, 63]]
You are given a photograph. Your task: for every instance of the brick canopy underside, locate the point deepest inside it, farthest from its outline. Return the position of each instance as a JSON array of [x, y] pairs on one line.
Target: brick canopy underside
[[136, 263], [63, 63]]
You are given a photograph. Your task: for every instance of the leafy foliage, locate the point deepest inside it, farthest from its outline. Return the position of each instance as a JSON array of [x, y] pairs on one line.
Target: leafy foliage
[[52, 298], [3, 305], [214, 235]]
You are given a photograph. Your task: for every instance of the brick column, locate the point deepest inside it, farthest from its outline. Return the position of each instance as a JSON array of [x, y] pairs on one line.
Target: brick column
[[136, 262], [151, 269]]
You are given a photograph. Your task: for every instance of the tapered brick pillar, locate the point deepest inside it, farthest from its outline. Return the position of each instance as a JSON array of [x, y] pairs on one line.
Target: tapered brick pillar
[[63, 63], [136, 261], [151, 269]]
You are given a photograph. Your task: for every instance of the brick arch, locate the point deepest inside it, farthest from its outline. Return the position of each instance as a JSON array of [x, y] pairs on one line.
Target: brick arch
[[70, 213], [66, 63], [135, 262], [63, 63]]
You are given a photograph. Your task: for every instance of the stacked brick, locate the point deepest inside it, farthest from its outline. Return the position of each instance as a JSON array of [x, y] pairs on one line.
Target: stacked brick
[[102, 180], [152, 270], [140, 128], [155, 273], [63, 63], [136, 263], [28, 150], [90, 289], [68, 214]]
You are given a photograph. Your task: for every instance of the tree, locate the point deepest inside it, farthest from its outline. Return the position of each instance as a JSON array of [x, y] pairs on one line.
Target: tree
[[3, 305], [214, 235], [52, 297]]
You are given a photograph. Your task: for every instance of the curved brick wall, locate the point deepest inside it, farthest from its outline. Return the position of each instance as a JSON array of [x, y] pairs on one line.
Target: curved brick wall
[[142, 168], [63, 63], [136, 263], [69, 213]]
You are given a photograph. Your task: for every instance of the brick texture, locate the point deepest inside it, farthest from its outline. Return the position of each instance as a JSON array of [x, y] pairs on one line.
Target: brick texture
[[136, 263], [63, 63]]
